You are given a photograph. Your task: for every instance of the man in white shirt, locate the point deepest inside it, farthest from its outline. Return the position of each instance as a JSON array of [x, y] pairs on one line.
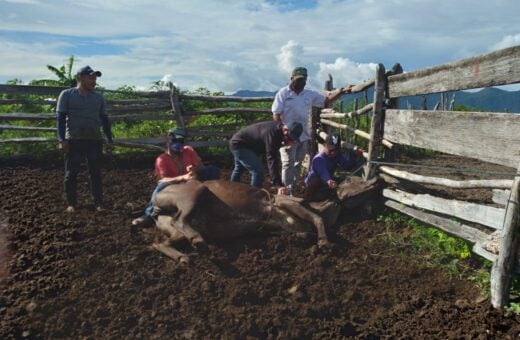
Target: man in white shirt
[[293, 103]]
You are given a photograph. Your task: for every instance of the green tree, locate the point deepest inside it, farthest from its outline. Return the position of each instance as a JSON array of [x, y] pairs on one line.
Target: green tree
[[64, 74]]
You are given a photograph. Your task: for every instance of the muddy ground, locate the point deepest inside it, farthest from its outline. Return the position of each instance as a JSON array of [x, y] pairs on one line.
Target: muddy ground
[[90, 275]]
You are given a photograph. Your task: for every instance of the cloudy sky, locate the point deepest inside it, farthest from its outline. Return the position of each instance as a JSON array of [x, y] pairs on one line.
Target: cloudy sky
[[228, 45]]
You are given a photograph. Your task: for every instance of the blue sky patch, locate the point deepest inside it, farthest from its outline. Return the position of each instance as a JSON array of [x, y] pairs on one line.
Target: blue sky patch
[[84, 46], [292, 5]]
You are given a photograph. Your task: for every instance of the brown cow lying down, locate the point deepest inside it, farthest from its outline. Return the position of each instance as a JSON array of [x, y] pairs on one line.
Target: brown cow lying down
[[220, 209]]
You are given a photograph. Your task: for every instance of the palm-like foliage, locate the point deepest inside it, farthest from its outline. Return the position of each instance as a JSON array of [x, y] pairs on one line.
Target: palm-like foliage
[[64, 74]]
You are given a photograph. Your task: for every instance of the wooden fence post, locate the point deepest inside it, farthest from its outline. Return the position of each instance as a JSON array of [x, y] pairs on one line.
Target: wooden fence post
[[390, 154], [375, 124], [505, 263], [176, 105], [315, 118]]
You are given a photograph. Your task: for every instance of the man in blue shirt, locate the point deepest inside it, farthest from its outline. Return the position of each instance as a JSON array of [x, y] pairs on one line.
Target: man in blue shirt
[[320, 178], [81, 113]]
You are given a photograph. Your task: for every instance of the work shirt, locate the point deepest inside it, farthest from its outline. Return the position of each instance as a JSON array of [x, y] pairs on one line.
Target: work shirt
[[324, 166], [81, 116], [262, 137], [166, 166], [294, 107]]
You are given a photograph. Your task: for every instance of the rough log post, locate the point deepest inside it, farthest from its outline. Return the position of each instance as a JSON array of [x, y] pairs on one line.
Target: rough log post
[[176, 106], [329, 86], [390, 154], [356, 120], [315, 119], [504, 266], [375, 137]]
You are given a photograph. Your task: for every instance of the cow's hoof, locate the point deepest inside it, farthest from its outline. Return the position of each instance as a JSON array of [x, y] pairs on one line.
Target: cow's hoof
[[324, 244], [184, 260], [200, 245]]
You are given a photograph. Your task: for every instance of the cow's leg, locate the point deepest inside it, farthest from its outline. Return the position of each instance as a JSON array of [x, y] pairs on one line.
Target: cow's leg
[[167, 249], [307, 215], [195, 238]]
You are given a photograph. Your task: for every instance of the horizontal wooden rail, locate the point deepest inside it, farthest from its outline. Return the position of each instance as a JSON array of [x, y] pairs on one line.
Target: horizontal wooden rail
[[448, 225], [478, 213], [26, 128], [474, 183], [357, 132], [331, 113], [491, 69]]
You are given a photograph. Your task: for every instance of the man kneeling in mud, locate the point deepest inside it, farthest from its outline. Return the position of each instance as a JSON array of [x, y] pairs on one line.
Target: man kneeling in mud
[[320, 183]]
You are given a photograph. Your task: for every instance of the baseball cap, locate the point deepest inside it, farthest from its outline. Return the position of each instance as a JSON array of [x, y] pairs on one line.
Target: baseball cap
[[295, 130], [333, 142], [178, 133], [299, 72], [88, 71]]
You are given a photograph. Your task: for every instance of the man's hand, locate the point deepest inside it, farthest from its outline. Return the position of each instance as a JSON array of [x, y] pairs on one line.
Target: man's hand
[[347, 89], [332, 184], [283, 191], [63, 146], [358, 151]]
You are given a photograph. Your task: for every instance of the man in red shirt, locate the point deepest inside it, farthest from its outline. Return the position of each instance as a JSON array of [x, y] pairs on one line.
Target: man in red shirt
[[179, 163]]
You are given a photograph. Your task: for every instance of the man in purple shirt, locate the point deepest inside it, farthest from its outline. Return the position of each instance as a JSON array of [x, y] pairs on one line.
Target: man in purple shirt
[[320, 178]]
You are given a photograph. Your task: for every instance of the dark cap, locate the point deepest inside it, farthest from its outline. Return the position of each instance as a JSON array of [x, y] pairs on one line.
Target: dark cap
[[333, 142], [299, 72], [178, 133], [295, 130], [88, 71]]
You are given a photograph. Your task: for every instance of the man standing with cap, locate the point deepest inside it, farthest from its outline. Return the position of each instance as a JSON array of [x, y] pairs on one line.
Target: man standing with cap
[[178, 164], [248, 144], [320, 178], [293, 103], [81, 112]]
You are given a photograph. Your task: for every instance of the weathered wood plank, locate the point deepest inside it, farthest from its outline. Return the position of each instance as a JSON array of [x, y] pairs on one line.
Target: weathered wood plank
[[474, 183], [478, 213], [331, 113], [357, 132], [26, 128], [501, 196], [453, 227], [488, 136], [122, 141], [479, 250], [229, 110], [502, 270], [27, 116], [491, 69]]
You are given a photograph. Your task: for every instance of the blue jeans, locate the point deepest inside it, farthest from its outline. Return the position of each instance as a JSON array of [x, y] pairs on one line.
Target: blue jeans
[[209, 172], [247, 159]]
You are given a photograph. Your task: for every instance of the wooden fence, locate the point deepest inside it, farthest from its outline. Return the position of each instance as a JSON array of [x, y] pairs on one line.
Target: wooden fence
[[486, 136], [147, 106]]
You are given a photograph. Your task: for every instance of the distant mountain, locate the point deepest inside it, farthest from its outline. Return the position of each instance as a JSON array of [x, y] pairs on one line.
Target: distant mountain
[[488, 99]]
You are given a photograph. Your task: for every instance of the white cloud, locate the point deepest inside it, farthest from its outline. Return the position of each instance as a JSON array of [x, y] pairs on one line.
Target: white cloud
[[345, 71], [507, 41]]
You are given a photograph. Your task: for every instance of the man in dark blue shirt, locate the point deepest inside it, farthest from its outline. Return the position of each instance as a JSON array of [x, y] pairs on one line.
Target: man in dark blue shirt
[[320, 177]]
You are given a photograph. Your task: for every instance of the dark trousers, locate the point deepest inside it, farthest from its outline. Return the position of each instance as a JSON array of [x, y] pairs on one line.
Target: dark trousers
[[78, 151]]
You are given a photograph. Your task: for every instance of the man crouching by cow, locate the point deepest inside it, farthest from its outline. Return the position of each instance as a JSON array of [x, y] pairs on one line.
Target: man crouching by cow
[[178, 164]]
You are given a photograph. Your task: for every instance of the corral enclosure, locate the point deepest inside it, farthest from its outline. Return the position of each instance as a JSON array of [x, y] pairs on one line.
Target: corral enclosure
[[485, 136]]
